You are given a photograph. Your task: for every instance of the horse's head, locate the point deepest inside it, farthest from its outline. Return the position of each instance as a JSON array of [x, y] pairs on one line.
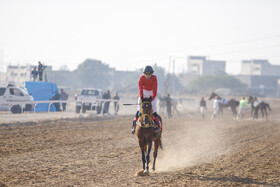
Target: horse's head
[[213, 95], [250, 99], [147, 110]]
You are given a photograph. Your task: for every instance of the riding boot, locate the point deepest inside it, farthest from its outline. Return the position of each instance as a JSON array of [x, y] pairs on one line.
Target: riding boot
[[134, 122], [157, 123]]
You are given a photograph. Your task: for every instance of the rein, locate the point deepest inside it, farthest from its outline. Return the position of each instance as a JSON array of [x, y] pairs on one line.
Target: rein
[[143, 117]]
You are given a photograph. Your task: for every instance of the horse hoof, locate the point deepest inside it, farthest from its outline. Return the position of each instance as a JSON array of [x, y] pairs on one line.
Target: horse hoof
[[146, 172]]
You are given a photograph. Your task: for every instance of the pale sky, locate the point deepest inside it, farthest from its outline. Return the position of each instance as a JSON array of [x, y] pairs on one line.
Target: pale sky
[[129, 34]]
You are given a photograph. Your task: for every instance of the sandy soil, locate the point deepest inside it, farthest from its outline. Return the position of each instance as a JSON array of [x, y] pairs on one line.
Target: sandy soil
[[100, 151]]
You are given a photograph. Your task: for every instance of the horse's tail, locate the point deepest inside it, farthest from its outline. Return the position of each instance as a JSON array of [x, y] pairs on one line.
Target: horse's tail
[[160, 143]]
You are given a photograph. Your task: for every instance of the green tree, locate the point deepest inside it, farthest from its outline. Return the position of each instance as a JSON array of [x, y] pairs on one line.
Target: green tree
[[93, 73], [210, 83]]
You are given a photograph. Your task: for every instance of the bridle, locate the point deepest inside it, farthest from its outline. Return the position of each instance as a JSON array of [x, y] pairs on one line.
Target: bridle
[[143, 116]]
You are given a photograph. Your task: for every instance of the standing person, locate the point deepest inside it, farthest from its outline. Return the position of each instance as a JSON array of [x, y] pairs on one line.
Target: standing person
[[56, 97], [202, 107], [242, 105], [168, 106], [256, 107], [107, 95], [108, 102], [40, 71], [147, 88], [64, 97], [215, 107], [116, 103], [34, 74]]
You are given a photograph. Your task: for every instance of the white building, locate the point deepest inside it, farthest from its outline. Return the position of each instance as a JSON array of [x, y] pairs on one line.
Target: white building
[[259, 67], [199, 65], [18, 75]]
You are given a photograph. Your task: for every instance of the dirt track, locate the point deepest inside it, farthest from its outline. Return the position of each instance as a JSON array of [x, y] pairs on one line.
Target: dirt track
[[102, 152]]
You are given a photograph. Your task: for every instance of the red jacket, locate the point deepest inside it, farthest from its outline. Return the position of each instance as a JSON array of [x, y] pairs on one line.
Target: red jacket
[[148, 85]]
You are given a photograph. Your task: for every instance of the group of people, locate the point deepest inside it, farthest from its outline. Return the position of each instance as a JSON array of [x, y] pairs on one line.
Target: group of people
[[38, 71], [241, 110], [107, 95], [62, 96]]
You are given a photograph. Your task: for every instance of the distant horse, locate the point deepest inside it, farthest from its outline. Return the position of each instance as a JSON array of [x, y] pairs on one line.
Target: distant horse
[[231, 103], [255, 109], [146, 136], [163, 103]]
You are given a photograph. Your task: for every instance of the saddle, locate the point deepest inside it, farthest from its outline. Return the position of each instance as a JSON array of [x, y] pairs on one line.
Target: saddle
[[224, 101]]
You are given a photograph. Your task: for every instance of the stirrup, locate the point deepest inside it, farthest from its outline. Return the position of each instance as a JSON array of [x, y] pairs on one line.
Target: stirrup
[[133, 127], [132, 130]]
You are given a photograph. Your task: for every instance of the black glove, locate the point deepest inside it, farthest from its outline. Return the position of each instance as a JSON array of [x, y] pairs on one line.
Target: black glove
[[142, 98], [150, 99]]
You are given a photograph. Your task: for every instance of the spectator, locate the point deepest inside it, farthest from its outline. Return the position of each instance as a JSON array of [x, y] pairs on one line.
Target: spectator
[[116, 103], [202, 107], [34, 74], [256, 108], [107, 95], [215, 107], [168, 106], [64, 97], [56, 97], [40, 71], [242, 105]]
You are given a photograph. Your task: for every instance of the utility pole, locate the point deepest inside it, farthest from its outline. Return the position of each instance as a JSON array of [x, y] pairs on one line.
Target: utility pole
[[173, 77]]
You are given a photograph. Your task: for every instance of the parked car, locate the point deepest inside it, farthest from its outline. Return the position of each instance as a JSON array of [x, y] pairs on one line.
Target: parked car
[[15, 99], [89, 99]]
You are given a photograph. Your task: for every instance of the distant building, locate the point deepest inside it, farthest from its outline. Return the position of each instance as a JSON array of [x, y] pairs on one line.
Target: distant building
[[265, 86], [259, 67], [199, 65], [19, 74]]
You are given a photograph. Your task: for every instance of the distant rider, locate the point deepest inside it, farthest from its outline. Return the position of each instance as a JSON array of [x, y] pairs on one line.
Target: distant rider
[[147, 87]]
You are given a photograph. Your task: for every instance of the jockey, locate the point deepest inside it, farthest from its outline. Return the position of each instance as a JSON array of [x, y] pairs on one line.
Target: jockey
[[147, 87]]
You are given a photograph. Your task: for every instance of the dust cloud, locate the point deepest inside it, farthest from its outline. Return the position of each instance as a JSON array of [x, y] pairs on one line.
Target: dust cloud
[[191, 144]]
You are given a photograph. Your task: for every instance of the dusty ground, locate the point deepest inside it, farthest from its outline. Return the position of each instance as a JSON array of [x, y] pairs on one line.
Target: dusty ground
[[102, 152]]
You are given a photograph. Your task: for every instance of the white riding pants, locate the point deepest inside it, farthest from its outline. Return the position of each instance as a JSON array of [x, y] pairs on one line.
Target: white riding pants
[[147, 94]]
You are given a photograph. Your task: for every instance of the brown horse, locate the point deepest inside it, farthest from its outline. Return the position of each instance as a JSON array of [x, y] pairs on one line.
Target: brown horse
[[230, 103], [146, 136]]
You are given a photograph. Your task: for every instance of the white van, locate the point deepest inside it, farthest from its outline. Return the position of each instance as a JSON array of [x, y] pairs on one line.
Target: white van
[[15, 99]]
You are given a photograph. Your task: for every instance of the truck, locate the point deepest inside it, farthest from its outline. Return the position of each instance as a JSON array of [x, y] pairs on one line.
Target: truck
[[89, 99], [15, 99]]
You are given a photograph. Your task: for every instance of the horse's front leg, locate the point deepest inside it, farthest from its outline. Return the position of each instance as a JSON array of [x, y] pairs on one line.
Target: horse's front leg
[[148, 158], [143, 158]]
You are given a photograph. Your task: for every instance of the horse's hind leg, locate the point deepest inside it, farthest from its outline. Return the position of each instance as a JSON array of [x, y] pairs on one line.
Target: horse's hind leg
[[265, 113], [262, 110]]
